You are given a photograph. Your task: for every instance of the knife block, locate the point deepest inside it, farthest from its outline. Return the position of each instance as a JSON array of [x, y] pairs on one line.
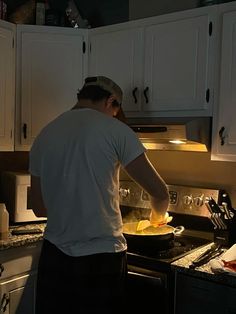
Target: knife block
[[226, 237]]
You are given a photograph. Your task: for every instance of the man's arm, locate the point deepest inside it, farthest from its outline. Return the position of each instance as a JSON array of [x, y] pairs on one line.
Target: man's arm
[[37, 199], [143, 172]]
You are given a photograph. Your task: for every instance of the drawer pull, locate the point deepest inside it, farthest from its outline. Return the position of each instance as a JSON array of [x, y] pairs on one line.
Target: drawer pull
[[4, 302], [1, 269]]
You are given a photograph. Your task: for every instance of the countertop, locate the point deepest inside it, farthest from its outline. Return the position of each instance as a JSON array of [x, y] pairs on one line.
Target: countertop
[[181, 265], [204, 271], [21, 240]]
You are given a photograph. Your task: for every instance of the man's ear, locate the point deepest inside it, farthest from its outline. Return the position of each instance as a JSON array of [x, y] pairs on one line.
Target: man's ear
[[109, 101]]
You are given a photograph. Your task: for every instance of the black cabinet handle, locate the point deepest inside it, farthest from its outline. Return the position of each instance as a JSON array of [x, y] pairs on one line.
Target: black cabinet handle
[[145, 94], [25, 130], [4, 302], [222, 135], [134, 95], [1, 269]]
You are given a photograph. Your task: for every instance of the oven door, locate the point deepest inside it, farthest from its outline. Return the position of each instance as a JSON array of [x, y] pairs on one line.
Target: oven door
[[146, 290]]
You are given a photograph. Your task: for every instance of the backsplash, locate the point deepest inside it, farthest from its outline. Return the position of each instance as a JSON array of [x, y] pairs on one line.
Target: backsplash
[[183, 168], [195, 169]]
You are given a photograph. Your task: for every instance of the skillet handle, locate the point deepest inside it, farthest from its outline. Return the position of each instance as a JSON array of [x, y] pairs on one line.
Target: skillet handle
[[178, 229]]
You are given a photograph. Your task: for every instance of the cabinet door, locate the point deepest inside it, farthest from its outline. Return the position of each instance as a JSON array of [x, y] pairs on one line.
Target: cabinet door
[[7, 86], [177, 66], [118, 54], [17, 295], [50, 73], [196, 296], [224, 135]]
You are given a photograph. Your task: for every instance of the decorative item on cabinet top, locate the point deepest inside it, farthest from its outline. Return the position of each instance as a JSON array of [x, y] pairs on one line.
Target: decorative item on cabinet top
[[184, 134]]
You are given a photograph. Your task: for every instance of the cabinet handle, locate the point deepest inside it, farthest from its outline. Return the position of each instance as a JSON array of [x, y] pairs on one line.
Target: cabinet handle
[[134, 95], [4, 302], [222, 136], [145, 94], [1, 269], [25, 130]]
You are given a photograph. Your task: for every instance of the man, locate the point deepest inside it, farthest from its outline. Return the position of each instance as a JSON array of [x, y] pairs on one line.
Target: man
[[74, 165]]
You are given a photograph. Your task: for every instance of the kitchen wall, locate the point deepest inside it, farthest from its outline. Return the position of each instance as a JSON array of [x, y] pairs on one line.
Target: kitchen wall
[[190, 168], [141, 9]]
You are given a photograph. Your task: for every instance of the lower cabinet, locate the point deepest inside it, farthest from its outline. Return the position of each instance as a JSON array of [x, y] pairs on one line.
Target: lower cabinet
[[17, 295], [18, 273], [194, 295]]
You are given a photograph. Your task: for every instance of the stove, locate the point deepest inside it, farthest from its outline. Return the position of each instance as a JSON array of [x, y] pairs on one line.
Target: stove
[[188, 208], [149, 266]]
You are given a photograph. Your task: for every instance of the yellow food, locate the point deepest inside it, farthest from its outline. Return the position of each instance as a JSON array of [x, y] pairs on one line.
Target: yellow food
[[143, 224]]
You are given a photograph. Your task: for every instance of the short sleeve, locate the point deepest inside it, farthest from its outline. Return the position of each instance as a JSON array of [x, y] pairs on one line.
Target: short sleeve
[[129, 146]]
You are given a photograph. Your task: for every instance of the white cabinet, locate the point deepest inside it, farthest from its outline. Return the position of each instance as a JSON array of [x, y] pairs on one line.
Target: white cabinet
[[224, 128], [18, 273], [7, 86], [18, 294], [118, 54], [163, 64], [51, 67]]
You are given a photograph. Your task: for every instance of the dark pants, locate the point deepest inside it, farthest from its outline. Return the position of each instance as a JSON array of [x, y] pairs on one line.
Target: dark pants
[[80, 285]]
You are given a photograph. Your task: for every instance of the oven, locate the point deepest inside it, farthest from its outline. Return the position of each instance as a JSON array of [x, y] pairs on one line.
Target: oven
[[144, 288], [150, 281]]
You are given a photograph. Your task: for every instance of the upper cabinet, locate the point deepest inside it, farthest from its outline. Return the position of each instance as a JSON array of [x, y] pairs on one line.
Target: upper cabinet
[[7, 86], [163, 64], [224, 127], [51, 65]]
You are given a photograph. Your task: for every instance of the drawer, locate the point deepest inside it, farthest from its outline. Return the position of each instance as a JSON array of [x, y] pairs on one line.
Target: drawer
[[18, 260]]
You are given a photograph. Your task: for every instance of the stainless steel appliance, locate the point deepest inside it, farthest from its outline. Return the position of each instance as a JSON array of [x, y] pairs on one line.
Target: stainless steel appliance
[[150, 279], [15, 188], [179, 133]]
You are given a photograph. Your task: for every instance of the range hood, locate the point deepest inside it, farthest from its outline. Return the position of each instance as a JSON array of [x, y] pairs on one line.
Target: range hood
[[183, 134]]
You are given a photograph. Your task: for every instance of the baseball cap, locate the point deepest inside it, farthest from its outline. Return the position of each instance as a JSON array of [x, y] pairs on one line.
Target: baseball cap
[[106, 84]]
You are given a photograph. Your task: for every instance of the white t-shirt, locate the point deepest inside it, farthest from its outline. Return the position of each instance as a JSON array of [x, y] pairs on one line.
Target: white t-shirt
[[77, 157]]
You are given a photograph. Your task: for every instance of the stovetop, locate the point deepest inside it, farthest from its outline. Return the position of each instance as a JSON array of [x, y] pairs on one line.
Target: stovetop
[[177, 248], [188, 208]]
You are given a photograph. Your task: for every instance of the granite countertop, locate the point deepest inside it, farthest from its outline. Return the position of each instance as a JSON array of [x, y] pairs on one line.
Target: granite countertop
[[204, 271], [20, 240], [181, 265]]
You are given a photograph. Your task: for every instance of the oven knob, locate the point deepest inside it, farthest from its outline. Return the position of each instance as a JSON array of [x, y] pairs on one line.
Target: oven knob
[[124, 192], [198, 201], [188, 199]]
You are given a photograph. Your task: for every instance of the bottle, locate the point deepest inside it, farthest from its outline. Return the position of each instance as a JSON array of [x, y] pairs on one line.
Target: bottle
[[40, 13], [4, 222]]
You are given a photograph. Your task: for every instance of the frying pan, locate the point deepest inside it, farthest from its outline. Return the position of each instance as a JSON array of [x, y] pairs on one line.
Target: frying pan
[[151, 236]]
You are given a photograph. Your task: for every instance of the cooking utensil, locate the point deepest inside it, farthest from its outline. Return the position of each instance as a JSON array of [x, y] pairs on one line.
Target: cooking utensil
[[150, 236], [218, 217], [215, 250]]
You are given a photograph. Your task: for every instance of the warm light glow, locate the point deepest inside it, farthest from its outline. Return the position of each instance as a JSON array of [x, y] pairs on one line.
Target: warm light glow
[[177, 142]]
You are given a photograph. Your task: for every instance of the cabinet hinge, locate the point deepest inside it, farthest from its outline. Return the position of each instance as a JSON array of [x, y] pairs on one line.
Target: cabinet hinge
[[207, 95], [210, 28], [84, 46]]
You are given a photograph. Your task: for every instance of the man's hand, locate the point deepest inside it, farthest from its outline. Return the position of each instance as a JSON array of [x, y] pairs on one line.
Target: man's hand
[[158, 219]]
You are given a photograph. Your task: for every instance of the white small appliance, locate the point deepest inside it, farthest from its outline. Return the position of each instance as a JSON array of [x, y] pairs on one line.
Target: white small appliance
[[15, 188]]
